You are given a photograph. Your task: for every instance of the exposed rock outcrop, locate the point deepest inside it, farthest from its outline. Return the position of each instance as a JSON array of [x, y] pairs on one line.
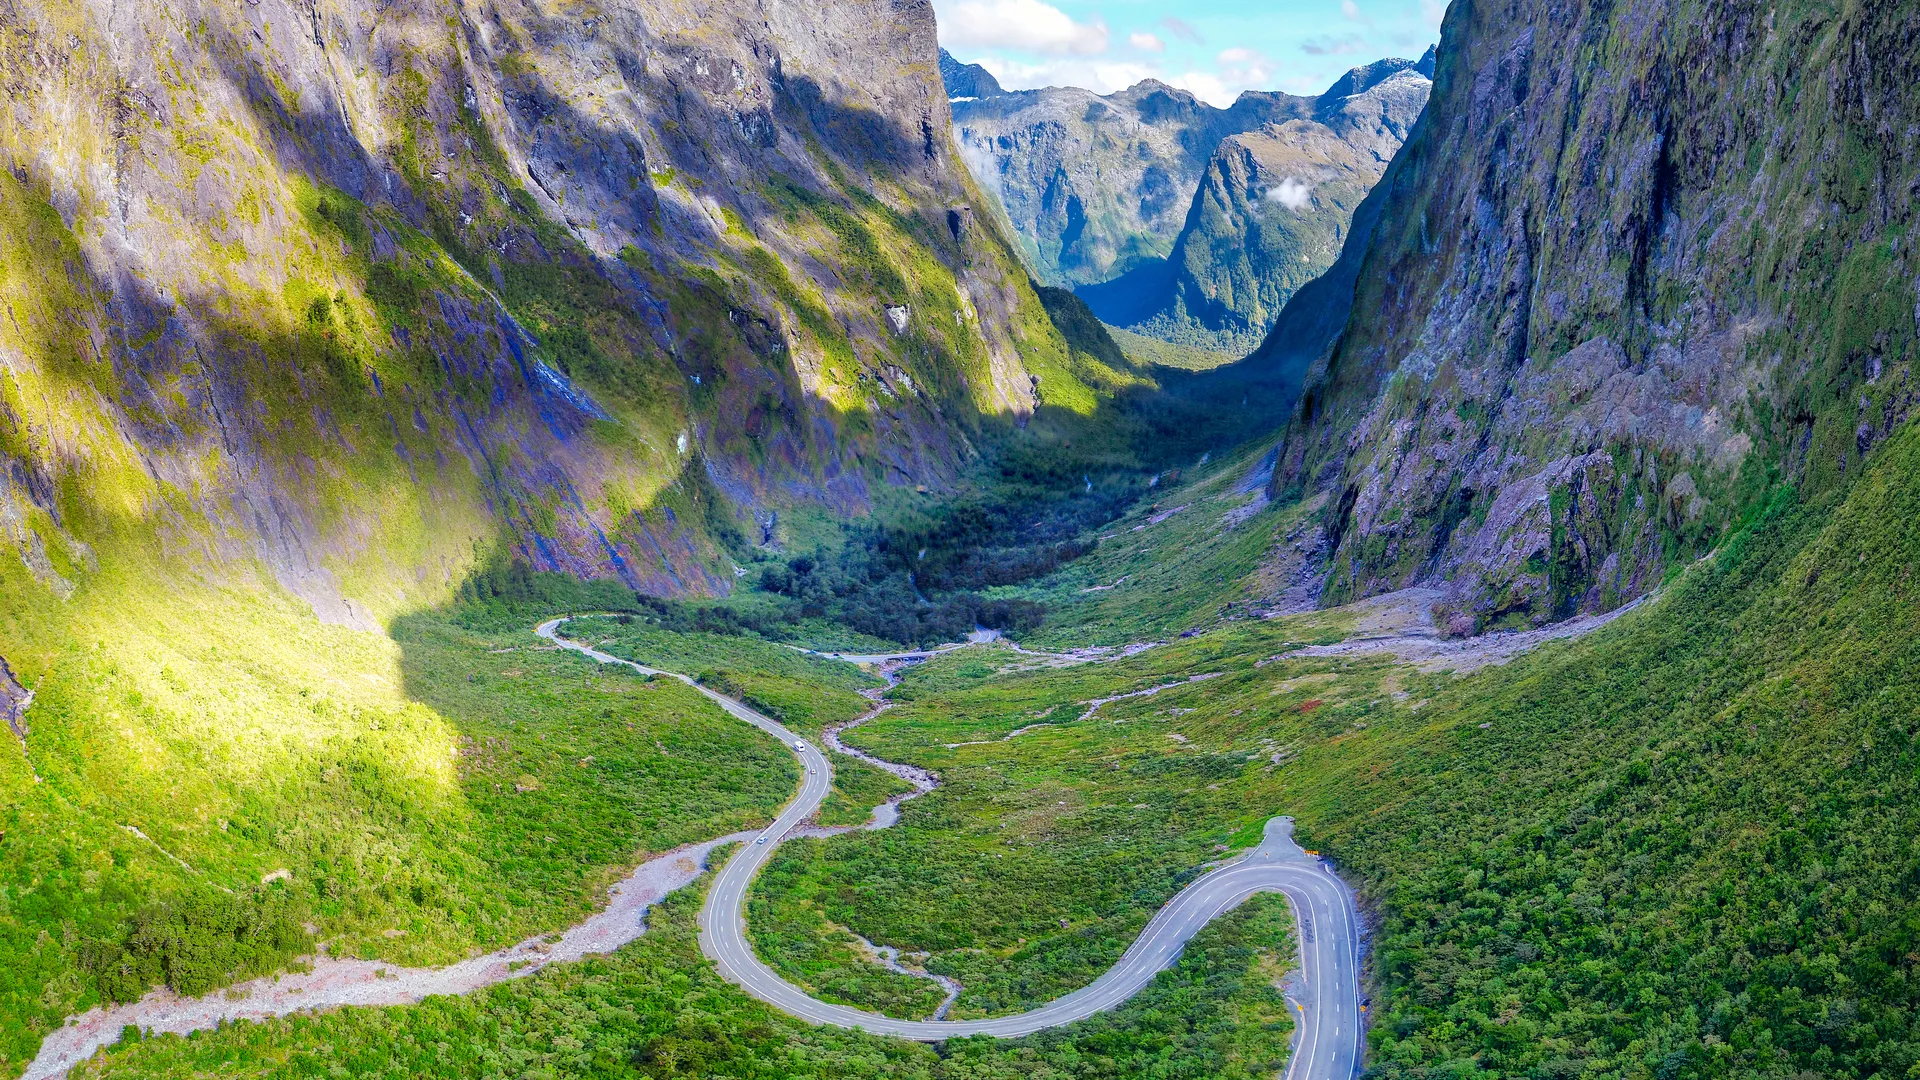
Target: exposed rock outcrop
[[967, 82], [1637, 265], [14, 700]]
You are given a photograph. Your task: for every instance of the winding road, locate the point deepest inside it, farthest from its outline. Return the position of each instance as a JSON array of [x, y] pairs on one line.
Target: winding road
[[1329, 1025], [1328, 1029]]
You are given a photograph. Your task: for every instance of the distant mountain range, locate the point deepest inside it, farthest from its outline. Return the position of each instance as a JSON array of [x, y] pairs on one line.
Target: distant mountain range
[[1171, 217]]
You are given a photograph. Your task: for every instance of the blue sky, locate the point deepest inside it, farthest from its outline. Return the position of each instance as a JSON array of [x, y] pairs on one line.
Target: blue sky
[[1215, 48]]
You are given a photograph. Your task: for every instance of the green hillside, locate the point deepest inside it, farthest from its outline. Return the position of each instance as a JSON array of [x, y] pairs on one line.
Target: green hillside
[[1680, 846], [341, 346]]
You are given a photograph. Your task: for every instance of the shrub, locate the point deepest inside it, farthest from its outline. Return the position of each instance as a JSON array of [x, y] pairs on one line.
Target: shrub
[[196, 941]]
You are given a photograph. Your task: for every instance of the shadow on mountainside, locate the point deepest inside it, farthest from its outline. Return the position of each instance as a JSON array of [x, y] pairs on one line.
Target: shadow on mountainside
[[361, 437]]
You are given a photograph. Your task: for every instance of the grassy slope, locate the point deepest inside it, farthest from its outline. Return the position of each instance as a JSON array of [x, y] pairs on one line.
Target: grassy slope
[[657, 1009], [1145, 350], [806, 693], [388, 776], [180, 691], [1682, 847], [1686, 848], [1186, 556]]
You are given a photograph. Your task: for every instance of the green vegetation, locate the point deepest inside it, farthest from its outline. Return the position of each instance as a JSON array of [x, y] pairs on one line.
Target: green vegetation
[[197, 941], [1013, 543], [869, 586], [1679, 847], [1151, 351], [857, 788], [1684, 849], [806, 693], [1194, 552], [886, 257], [1094, 357], [338, 378], [656, 1009], [1039, 858], [468, 790], [827, 960]]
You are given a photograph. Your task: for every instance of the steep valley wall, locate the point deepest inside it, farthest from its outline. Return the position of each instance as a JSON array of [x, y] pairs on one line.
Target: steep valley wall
[[1638, 264], [353, 290]]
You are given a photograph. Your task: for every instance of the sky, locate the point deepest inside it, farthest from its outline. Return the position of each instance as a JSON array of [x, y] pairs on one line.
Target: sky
[[1215, 48]]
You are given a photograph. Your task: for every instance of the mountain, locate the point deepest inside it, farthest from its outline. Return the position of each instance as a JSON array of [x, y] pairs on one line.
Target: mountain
[[324, 327], [1633, 270], [556, 274], [967, 82], [317, 315], [1271, 213], [1094, 185]]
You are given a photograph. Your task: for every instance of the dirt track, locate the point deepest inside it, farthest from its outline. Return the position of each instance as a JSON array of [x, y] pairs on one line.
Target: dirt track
[[1400, 624]]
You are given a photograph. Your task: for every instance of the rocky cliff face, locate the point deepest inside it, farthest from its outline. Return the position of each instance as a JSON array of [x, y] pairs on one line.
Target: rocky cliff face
[[965, 82], [1638, 264], [311, 309], [1271, 213], [357, 290], [1097, 185]]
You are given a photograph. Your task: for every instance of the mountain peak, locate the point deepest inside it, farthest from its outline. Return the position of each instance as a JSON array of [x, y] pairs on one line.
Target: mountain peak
[[967, 80], [1367, 76], [1094, 207]]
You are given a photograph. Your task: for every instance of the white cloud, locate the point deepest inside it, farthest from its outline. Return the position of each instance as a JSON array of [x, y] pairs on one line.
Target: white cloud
[[1028, 25], [1292, 193], [1240, 69], [1101, 77], [1431, 12], [1350, 9], [985, 170], [1206, 86], [1146, 42]]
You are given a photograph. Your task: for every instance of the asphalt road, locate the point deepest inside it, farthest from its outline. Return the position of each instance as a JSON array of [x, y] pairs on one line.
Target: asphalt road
[[1327, 1040]]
